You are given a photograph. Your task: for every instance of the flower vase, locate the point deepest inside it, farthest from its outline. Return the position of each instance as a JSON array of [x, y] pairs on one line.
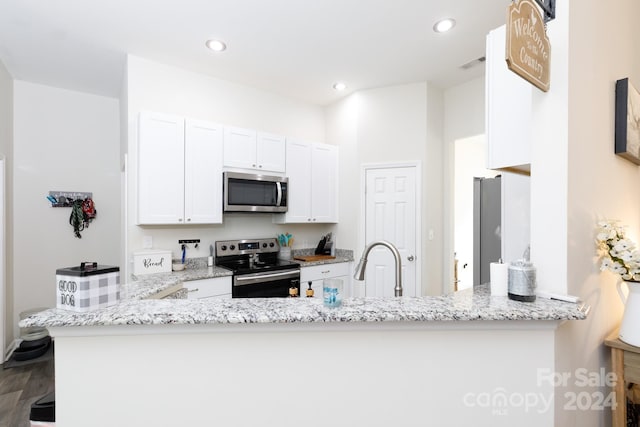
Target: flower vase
[[630, 327]]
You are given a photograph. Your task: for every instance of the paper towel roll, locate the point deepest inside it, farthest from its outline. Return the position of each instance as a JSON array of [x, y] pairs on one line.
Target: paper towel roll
[[498, 275]]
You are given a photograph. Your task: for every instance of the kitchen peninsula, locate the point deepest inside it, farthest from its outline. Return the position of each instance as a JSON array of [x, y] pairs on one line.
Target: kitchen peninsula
[[259, 362]]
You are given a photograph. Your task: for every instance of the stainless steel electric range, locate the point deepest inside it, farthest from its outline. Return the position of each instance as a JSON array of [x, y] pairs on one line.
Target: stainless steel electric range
[[257, 271]]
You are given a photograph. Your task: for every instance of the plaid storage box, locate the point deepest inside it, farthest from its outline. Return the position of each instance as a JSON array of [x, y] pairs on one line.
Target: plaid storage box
[[87, 287]]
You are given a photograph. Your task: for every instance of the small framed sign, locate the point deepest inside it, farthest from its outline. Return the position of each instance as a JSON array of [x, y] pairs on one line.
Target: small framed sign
[[528, 50], [627, 121]]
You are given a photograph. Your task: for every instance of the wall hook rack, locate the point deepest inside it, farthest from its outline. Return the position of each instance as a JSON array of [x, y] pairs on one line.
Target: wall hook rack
[[184, 242], [65, 199]]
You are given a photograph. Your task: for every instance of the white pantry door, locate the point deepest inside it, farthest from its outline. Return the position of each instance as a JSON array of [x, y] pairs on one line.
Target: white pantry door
[[390, 214]]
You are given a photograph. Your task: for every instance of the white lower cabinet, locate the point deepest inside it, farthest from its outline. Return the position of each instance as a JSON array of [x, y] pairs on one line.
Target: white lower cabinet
[[218, 287], [317, 273]]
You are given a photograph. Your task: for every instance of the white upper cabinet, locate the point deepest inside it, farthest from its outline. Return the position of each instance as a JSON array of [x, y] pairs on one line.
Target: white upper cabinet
[[160, 169], [248, 149], [203, 173], [324, 183], [508, 109], [179, 170], [240, 148], [271, 152], [299, 187], [312, 170]]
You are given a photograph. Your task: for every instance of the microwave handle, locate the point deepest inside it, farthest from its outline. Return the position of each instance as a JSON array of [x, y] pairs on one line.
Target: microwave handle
[[279, 189]]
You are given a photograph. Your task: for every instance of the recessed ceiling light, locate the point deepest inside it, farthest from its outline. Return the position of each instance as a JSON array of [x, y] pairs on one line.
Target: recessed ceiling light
[[444, 25], [216, 45], [339, 86]]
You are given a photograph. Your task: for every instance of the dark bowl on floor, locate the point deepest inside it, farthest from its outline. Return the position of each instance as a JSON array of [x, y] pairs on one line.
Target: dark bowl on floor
[[29, 345], [31, 353]]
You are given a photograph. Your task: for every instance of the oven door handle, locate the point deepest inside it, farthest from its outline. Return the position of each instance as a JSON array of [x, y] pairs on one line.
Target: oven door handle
[[251, 279], [279, 190]]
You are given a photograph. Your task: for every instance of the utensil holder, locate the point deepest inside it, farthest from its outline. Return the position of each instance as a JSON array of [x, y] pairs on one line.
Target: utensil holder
[[285, 253]]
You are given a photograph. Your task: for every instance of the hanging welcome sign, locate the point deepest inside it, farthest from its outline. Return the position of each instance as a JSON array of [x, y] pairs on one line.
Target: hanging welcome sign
[[528, 47]]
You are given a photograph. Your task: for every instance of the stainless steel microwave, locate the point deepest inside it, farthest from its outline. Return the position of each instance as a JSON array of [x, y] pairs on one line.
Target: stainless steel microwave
[[245, 192]]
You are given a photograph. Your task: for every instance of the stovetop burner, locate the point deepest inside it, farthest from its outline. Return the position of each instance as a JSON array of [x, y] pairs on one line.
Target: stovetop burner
[[251, 256]]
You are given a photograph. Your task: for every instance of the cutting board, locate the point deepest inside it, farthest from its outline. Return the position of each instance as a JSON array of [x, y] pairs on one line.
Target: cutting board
[[311, 258]]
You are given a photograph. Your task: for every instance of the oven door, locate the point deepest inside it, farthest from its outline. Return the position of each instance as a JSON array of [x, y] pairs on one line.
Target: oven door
[[265, 284]]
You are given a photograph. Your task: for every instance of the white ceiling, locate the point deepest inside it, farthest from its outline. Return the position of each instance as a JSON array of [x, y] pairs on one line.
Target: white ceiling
[[296, 48]]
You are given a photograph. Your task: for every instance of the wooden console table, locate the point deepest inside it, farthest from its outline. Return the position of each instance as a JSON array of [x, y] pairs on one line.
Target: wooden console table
[[625, 363]]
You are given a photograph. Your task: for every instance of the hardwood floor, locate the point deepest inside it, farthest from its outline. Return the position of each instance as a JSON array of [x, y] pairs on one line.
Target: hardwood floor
[[20, 387]]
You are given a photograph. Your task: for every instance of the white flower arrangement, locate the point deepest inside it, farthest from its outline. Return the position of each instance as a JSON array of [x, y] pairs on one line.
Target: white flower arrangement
[[618, 253]]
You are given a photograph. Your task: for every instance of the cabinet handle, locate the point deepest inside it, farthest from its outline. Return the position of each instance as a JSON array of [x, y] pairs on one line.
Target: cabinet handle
[[188, 219], [325, 272], [260, 166], [194, 290], [308, 219], [314, 219], [253, 166], [179, 219]]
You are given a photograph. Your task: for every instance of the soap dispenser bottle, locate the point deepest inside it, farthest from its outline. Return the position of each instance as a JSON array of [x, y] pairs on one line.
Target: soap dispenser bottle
[[309, 291]]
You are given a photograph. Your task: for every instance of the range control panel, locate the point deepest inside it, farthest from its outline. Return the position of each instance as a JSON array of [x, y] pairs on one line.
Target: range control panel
[[246, 247]]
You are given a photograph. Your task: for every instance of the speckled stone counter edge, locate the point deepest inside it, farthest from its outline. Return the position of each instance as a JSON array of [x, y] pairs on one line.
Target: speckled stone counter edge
[[461, 306]]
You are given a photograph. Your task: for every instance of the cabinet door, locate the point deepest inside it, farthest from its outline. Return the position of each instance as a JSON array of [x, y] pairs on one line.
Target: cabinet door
[[219, 287], [203, 173], [160, 169], [324, 183], [508, 109], [299, 173], [270, 152], [240, 148], [317, 273]]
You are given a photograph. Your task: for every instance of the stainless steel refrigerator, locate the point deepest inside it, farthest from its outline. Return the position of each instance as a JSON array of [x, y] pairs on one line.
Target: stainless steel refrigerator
[[487, 230]]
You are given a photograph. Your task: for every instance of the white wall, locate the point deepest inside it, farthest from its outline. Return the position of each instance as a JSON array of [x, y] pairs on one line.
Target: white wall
[[6, 150], [161, 88], [65, 141], [463, 118], [600, 184], [433, 207], [392, 125], [342, 130], [392, 128]]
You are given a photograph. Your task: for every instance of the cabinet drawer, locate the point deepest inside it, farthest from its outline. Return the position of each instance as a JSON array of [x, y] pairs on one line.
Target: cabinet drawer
[[205, 288], [319, 272]]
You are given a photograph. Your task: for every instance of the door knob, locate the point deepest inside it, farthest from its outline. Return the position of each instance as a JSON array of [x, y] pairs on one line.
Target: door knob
[[410, 257]]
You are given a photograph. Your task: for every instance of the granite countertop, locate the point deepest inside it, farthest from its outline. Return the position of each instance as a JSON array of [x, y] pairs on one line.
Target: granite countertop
[[151, 285], [342, 255], [469, 305]]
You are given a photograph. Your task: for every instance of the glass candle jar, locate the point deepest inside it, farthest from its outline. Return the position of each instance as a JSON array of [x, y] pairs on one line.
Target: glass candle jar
[[332, 292]]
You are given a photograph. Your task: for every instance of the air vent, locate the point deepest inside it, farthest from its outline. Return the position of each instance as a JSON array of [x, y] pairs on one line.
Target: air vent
[[473, 63]]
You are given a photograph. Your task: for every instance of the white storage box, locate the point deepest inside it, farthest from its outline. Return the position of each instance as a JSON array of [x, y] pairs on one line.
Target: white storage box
[[151, 261], [87, 287]]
